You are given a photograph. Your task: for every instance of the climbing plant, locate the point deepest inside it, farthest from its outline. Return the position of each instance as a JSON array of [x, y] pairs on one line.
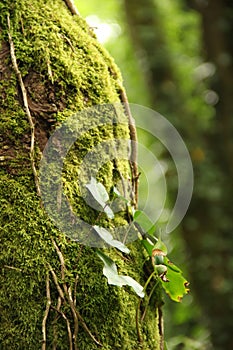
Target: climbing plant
[[165, 273]]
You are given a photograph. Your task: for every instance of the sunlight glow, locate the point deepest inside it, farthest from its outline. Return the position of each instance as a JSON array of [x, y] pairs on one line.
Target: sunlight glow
[[105, 31]]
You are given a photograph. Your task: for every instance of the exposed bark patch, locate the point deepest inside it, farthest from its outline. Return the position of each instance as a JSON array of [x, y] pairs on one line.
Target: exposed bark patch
[[44, 103], [8, 149], [4, 53], [44, 100]]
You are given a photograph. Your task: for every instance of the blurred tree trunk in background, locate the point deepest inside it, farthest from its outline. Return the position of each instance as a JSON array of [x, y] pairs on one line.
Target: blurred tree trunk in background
[[208, 226], [147, 35], [217, 27]]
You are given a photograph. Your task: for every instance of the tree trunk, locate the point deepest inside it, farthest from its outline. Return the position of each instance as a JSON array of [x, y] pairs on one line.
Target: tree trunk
[[148, 38], [53, 294]]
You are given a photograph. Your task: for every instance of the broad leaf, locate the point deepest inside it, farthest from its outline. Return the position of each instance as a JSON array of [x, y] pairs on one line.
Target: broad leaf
[[98, 191], [177, 286], [100, 195], [108, 238], [148, 246], [110, 271], [142, 219], [108, 211]]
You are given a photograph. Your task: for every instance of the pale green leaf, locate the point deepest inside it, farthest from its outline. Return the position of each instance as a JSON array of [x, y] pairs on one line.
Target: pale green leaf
[[100, 195], [110, 272], [108, 238], [108, 211], [98, 191]]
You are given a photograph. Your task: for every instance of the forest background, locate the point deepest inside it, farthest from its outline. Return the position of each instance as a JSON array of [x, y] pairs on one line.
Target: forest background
[[176, 57]]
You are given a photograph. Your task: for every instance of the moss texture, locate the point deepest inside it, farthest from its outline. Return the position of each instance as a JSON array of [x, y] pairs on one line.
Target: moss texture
[[64, 70]]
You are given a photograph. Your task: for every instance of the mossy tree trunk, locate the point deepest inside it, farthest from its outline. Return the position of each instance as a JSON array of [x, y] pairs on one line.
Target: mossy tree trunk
[[53, 294]]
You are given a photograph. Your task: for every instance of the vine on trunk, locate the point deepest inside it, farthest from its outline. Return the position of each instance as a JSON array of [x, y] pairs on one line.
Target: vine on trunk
[[25, 102]]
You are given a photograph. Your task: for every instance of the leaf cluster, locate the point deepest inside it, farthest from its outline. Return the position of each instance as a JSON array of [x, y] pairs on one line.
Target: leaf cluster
[[168, 274]]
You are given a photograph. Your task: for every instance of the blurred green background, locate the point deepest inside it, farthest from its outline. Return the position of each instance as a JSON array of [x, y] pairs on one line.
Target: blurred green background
[[176, 57]]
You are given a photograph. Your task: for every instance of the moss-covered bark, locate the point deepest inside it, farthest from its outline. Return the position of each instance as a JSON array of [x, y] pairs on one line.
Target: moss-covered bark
[[64, 70]]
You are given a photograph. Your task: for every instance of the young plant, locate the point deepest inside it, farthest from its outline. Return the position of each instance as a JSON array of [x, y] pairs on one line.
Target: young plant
[[165, 272], [171, 278]]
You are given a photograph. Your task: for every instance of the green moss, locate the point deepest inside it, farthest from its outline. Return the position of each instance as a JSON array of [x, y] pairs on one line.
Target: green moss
[[59, 56], [25, 251]]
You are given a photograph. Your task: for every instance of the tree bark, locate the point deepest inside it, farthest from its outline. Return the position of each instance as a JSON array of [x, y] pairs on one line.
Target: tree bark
[[53, 294]]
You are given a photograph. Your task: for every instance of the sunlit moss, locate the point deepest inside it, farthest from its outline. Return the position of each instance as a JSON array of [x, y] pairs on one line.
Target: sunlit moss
[[66, 57]]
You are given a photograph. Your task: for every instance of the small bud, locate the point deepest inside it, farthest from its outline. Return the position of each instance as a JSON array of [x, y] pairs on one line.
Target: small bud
[[161, 269], [157, 257]]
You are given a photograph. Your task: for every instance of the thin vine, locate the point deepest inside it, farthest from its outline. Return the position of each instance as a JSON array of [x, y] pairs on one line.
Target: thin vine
[[48, 305], [134, 151], [71, 6], [25, 102], [65, 294]]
